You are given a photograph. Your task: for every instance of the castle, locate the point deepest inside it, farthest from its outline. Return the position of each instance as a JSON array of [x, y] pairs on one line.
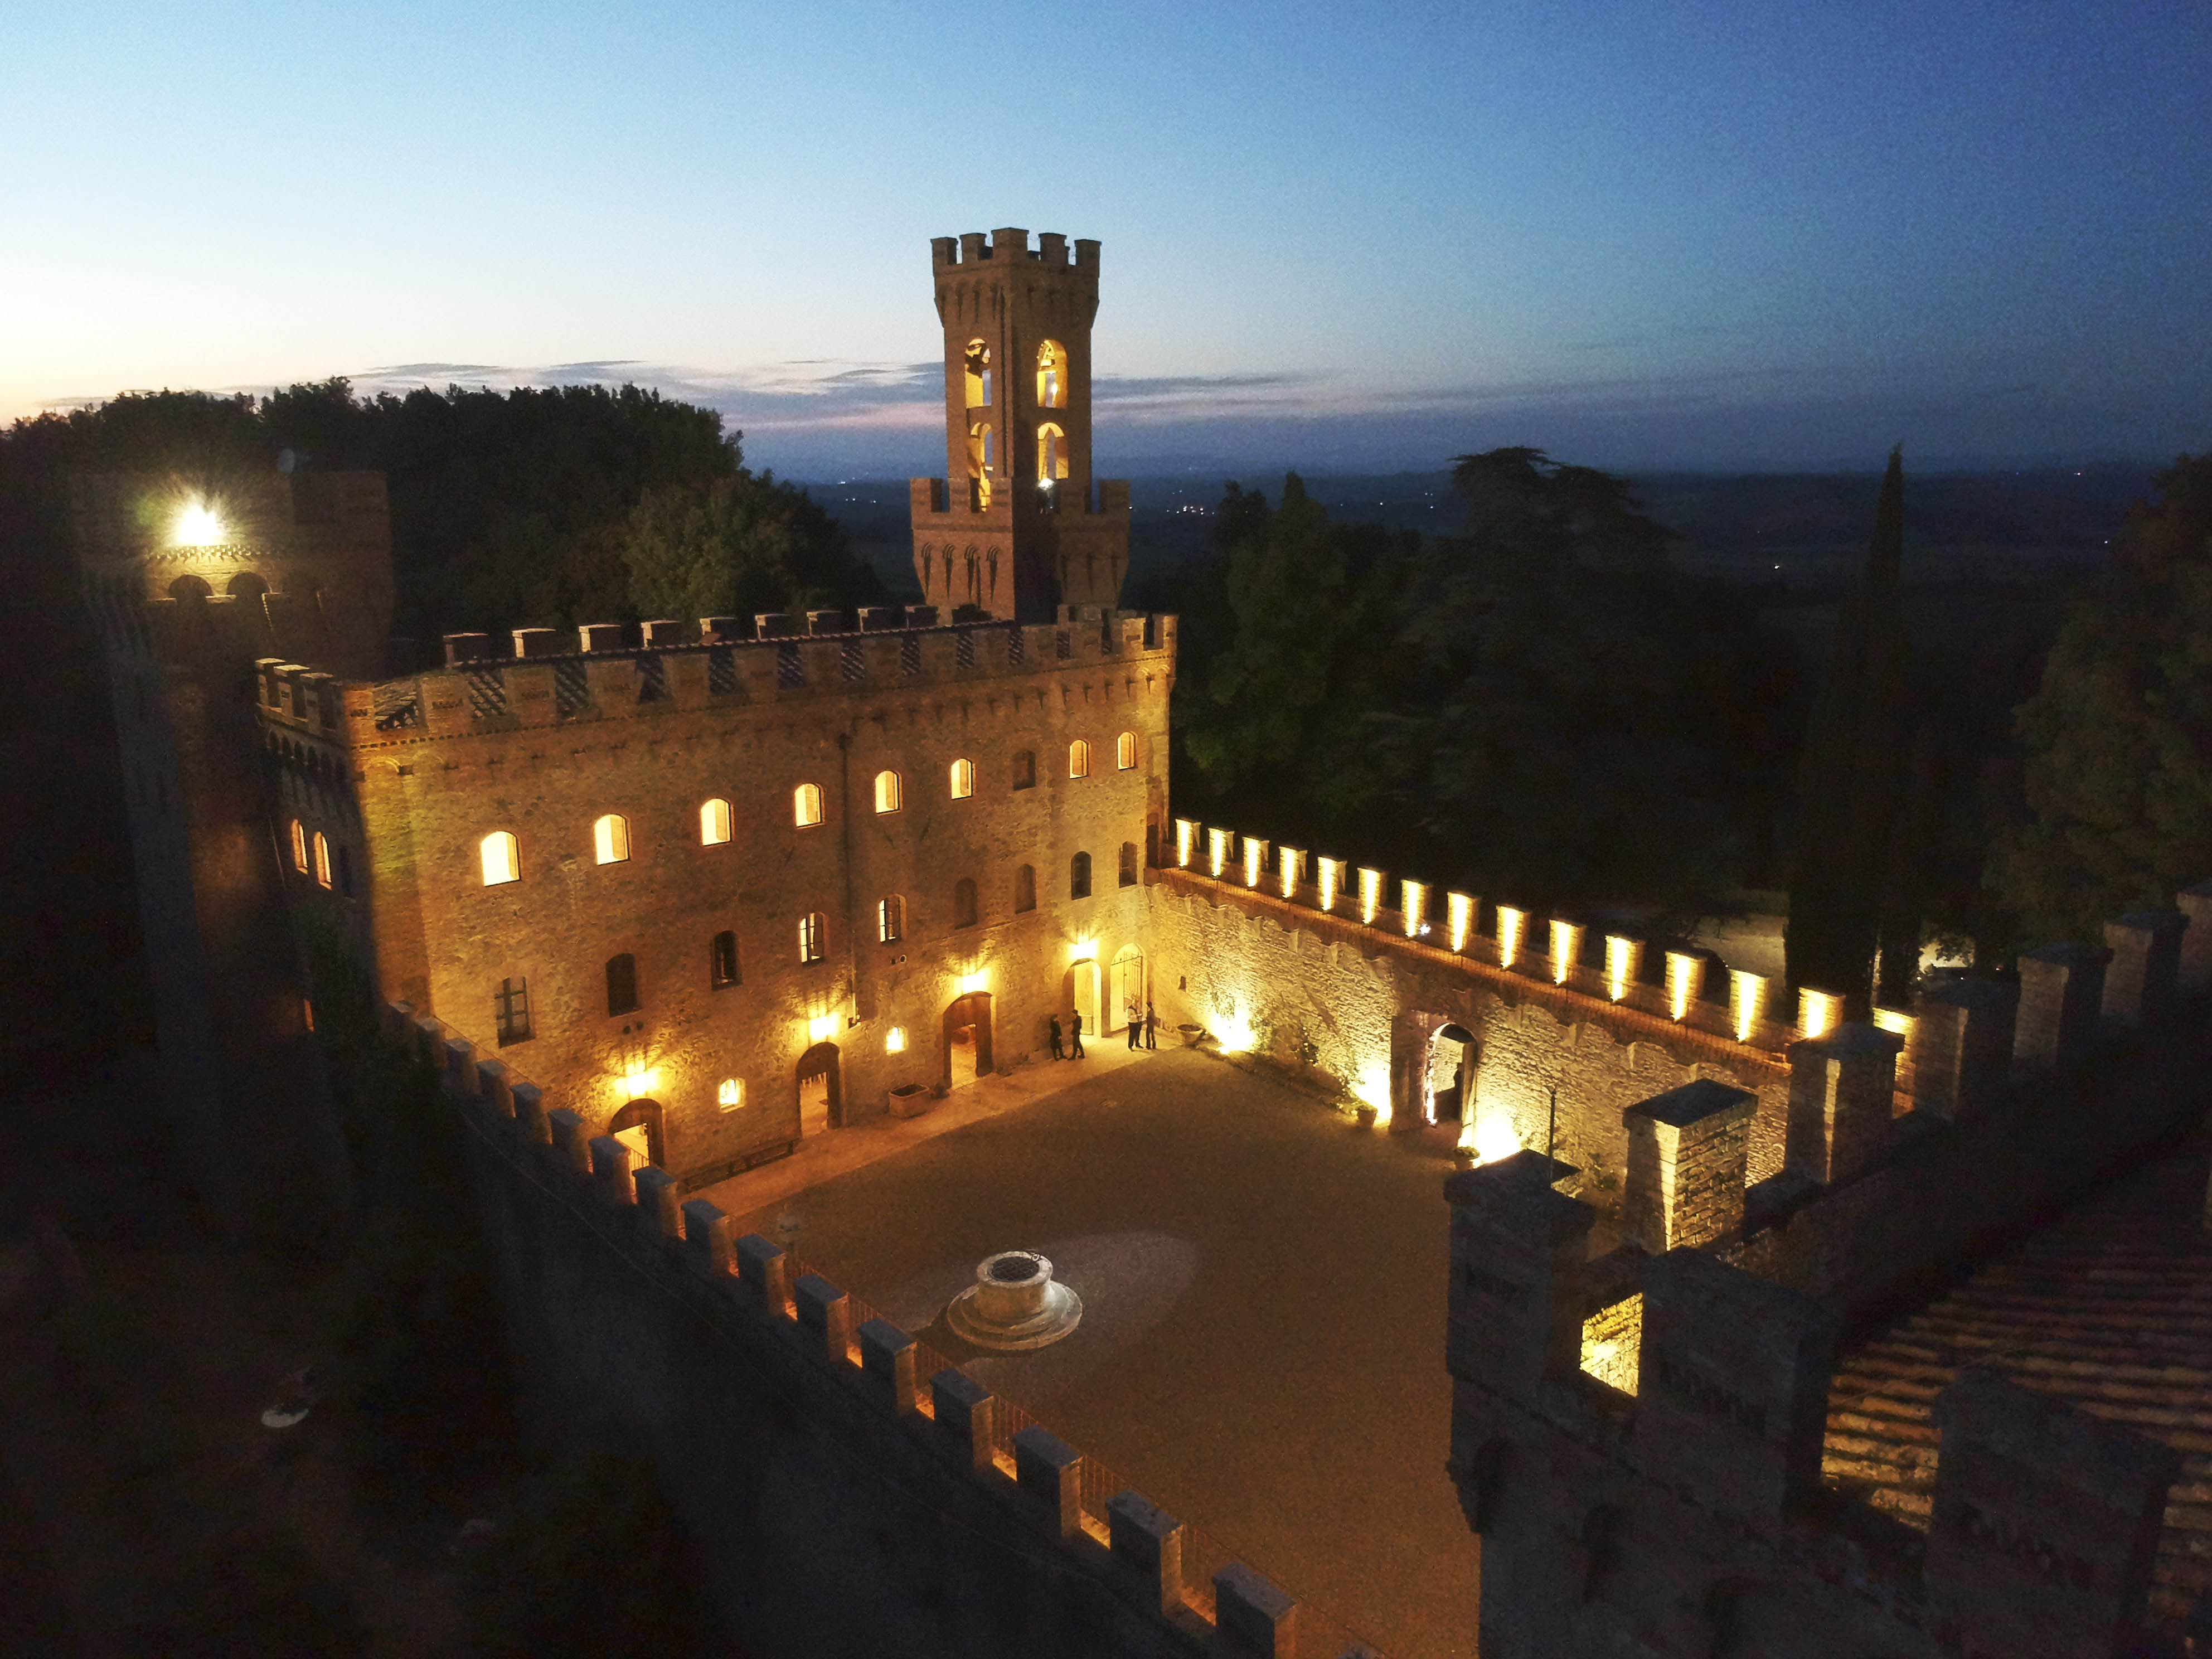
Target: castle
[[664, 905]]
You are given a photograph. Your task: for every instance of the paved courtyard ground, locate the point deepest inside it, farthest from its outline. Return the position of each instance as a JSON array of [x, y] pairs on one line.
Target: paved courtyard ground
[[1261, 1350]]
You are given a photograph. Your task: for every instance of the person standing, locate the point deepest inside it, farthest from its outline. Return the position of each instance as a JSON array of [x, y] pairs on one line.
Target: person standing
[[1056, 1053], [1136, 1026], [1075, 1051], [1152, 1025]]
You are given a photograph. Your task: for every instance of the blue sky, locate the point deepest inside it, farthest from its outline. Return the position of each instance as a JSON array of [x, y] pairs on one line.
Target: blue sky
[[1719, 236]]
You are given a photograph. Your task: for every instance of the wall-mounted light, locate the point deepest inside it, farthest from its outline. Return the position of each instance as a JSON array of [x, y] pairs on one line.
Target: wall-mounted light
[[1237, 1035], [1460, 909], [637, 1080], [895, 1040], [197, 525], [978, 981], [1371, 895], [1083, 949], [1511, 921], [822, 1028]]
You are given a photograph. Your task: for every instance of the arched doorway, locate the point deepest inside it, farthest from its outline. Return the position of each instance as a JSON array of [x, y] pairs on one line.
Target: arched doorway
[[967, 1051], [1124, 1002], [1452, 1056], [1081, 992], [821, 1104], [637, 1126]]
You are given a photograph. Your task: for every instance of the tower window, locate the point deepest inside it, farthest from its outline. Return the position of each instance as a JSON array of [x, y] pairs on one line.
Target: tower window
[[1052, 454], [1052, 376], [806, 804], [887, 791], [322, 861], [497, 851], [1026, 887], [730, 1095], [1079, 759], [891, 918], [622, 984], [963, 902], [714, 822], [963, 779], [510, 1012], [809, 937], [1079, 875], [978, 364], [610, 839], [1125, 750], [1025, 770], [299, 848], [723, 960], [1128, 864]]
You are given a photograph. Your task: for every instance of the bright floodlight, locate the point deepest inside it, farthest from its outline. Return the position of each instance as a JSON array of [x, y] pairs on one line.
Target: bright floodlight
[[197, 525]]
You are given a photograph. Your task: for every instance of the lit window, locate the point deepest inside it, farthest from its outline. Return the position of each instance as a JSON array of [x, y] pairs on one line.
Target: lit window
[[1079, 759], [723, 960], [299, 847], [1079, 875], [809, 937], [622, 984], [714, 822], [730, 1095], [963, 779], [895, 1040], [610, 839], [890, 918], [887, 791], [501, 863], [510, 1012], [979, 375], [1051, 375], [806, 804], [1125, 750], [1051, 453], [322, 860]]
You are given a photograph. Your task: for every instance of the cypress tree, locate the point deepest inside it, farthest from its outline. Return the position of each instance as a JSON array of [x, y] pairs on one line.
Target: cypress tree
[[1852, 777]]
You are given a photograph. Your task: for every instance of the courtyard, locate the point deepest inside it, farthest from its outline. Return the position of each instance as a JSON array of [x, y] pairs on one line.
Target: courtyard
[[1261, 1348]]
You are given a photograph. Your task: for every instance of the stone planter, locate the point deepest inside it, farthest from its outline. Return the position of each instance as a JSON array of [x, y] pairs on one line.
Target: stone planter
[[1192, 1035], [1366, 1115], [909, 1100]]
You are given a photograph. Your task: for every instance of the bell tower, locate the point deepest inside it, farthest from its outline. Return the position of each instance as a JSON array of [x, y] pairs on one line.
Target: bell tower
[[1016, 529]]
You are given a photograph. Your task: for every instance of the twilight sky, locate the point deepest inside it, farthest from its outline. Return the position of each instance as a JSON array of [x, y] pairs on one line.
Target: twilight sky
[[1734, 233]]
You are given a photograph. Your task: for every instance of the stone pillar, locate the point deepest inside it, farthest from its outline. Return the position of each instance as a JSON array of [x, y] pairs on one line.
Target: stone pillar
[[887, 1356], [1409, 1068], [1732, 1399], [1566, 949], [1516, 1276], [1686, 1152], [707, 1236], [657, 1196], [1962, 1039], [1624, 963], [1254, 1614], [2061, 988], [764, 1270], [826, 1316], [1050, 1471], [2046, 1522], [2143, 979], [966, 1415], [1151, 1540], [1841, 1086], [2196, 966]]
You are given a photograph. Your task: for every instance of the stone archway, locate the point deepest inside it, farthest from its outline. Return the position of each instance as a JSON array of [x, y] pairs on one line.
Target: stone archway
[[967, 1051], [638, 1126], [1453, 1055], [820, 1098]]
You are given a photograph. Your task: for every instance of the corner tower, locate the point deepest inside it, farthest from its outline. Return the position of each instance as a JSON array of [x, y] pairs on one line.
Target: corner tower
[[1015, 530]]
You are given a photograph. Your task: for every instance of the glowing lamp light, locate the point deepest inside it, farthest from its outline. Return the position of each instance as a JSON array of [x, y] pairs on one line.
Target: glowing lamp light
[[1747, 1001], [895, 1040], [1511, 921], [1491, 1139], [1186, 833], [822, 1028], [1373, 1088], [730, 1094], [637, 1081], [197, 525], [1620, 965], [1684, 971], [1370, 895], [1084, 949], [1459, 913], [1818, 1011], [1237, 1035], [978, 981], [1217, 851]]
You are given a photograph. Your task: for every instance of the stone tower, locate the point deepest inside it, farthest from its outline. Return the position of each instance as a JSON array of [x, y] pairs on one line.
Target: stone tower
[[1014, 531]]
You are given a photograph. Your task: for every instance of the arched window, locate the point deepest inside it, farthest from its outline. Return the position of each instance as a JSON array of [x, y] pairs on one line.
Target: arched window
[[299, 848], [963, 902], [1128, 864], [322, 860], [345, 872], [189, 587], [610, 839], [622, 984], [979, 464], [245, 586], [979, 375], [887, 791], [1079, 759], [1052, 454], [1026, 887], [730, 1095], [963, 779], [1025, 768], [806, 804], [1052, 376], [1079, 875], [722, 960], [714, 822], [809, 937], [890, 918], [1125, 750], [501, 862]]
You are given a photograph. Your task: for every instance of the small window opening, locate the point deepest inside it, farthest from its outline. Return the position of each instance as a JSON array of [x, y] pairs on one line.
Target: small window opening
[[1079, 875], [887, 791], [891, 918], [1026, 887], [806, 804], [809, 937], [500, 863], [895, 1040], [714, 822], [979, 375], [1052, 376], [1079, 759], [963, 779], [1125, 750], [622, 984], [1128, 864], [299, 848], [322, 861], [1025, 770], [730, 1095], [723, 960], [610, 839], [963, 902], [1052, 454], [511, 1011]]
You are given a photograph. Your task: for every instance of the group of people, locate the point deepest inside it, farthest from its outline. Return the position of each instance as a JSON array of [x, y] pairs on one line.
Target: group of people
[[1144, 1032]]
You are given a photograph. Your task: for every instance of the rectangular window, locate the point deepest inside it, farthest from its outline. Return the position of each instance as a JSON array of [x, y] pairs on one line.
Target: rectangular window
[[891, 918], [809, 938], [511, 1011]]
